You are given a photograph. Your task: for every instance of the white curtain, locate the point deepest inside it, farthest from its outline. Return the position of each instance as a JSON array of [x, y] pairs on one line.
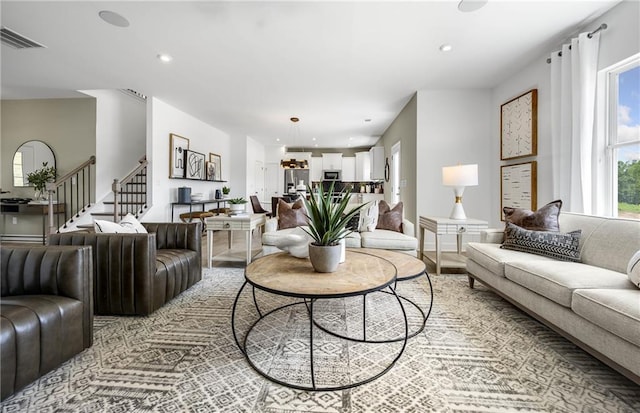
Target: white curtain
[[573, 97]]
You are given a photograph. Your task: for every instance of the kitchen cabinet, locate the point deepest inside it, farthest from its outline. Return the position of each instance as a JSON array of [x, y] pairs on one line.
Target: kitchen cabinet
[[348, 169], [316, 169], [332, 161], [377, 163], [363, 167]]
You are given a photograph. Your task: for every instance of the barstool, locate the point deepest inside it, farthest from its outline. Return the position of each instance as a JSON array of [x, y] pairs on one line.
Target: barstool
[[189, 216]]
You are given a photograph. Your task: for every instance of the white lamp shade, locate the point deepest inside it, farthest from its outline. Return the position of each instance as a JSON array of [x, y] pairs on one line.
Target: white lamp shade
[[460, 175]]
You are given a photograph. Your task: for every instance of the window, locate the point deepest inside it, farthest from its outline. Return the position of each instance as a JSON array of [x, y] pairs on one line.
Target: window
[[623, 141]]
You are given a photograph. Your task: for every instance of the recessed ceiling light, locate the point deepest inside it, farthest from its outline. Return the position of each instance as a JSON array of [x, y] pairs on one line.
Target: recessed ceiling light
[[446, 48], [277, 139], [165, 58], [314, 139], [467, 6], [113, 18], [316, 145]]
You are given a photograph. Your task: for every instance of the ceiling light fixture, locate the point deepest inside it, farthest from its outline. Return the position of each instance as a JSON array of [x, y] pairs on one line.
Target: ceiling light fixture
[[293, 163], [467, 6], [165, 58], [446, 48], [113, 18]]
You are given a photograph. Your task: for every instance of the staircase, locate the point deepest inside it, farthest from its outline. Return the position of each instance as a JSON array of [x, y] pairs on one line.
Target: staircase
[[129, 195]]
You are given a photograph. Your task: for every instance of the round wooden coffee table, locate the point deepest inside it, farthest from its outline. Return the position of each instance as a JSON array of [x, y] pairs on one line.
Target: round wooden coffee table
[[407, 268], [285, 275]]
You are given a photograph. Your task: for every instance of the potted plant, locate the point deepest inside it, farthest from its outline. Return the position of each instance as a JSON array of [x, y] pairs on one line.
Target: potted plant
[[327, 227], [226, 190], [237, 205], [39, 179]]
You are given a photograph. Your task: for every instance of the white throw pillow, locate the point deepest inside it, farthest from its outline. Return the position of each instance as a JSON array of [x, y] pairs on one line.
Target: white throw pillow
[[633, 269], [368, 218], [128, 225]]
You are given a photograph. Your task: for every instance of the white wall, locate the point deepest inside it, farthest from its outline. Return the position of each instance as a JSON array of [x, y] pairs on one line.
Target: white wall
[[453, 127], [403, 129], [619, 41], [162, 120], [120, 136], [255, 153]]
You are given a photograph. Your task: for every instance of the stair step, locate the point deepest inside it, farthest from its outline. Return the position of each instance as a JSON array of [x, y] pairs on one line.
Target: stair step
[[124, 203], [107, 214]]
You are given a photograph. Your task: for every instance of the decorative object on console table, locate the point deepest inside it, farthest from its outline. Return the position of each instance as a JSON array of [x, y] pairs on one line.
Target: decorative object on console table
[[39, 178], [459, 177], [237, 206], [328, 226], [226, 190], [518, 186], [216, 161], [519, 126], [194, 165], [177, 148]]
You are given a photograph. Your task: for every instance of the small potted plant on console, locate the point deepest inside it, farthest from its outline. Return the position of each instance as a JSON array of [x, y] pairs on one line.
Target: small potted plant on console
[[237, 206]]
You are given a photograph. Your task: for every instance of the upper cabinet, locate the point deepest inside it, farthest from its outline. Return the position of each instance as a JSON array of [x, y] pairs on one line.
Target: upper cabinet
[[363, 167], [349, 169], [315, 174], [332, 161], [377, 163]]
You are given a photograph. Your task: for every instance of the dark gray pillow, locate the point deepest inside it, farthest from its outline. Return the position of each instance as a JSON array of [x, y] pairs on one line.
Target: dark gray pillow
[[544, 219], [564, 247]]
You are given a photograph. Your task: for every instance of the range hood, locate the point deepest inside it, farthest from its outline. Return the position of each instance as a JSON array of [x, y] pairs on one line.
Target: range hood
[[294, 164]]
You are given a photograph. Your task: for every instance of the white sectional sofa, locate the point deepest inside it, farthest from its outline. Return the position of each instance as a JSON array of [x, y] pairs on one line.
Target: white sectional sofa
[[592, 303], [380, 238]]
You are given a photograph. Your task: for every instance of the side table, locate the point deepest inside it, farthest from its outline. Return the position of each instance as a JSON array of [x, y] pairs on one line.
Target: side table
[[448, 226], [232, 223]]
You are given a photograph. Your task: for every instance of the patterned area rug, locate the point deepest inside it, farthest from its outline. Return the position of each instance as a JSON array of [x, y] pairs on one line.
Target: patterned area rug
[[477, 353]]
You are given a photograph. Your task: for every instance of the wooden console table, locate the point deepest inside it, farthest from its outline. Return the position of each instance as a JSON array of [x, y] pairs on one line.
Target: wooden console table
[[33, 208]]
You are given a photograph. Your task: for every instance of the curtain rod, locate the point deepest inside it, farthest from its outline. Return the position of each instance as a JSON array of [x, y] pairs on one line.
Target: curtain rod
[[603, 26]]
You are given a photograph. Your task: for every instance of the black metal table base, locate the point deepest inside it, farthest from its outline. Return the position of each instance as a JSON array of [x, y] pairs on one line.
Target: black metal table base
[[309, 305], [411, 334]]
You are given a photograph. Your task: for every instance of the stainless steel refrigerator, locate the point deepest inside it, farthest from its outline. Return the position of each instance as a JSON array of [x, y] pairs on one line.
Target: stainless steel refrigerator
[[292, 178]]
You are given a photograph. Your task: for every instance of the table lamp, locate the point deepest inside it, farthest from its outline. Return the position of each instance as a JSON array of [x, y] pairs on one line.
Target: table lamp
[[459, 177]]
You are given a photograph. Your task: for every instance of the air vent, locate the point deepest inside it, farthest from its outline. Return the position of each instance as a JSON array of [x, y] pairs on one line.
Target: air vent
[[134, 93], [17, 41]]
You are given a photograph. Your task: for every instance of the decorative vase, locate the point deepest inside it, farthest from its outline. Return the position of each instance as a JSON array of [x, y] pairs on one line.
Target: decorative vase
[[237, 208], [39, 195], [325, 258]]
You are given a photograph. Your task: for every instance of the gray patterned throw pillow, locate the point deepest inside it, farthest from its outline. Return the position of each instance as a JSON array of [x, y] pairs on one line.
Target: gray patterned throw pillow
[[561, 246]]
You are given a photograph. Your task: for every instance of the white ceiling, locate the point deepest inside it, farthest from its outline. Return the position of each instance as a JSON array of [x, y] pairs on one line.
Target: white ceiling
[[247, 67]]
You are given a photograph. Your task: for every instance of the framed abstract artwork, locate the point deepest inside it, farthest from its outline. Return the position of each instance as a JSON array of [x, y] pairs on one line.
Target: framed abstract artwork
[[518, 186], [194, 165], [216, 161], [519, 126], [177, 147]]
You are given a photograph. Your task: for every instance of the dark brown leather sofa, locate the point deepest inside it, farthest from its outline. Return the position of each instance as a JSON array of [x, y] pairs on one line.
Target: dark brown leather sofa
[[46, 311], [135, 274]]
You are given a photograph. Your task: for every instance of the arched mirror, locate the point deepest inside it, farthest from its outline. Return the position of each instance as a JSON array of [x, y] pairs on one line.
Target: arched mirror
[[28, 158]]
